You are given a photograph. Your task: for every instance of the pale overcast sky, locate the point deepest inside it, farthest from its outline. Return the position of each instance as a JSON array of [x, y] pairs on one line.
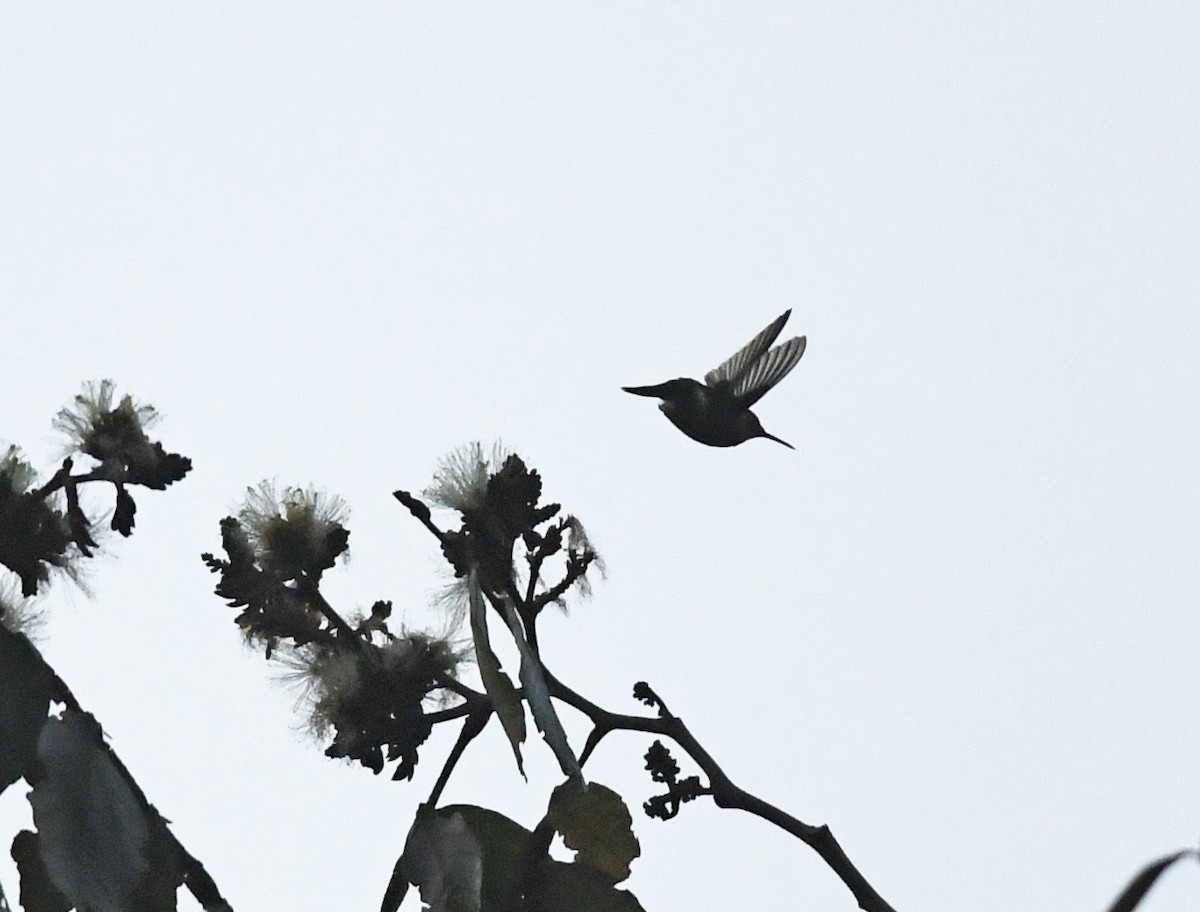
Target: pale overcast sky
[[331, 243]]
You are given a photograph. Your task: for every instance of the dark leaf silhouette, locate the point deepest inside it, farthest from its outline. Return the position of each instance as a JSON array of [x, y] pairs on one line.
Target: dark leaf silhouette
[[1145, 879], [24, 704], [38, 893]]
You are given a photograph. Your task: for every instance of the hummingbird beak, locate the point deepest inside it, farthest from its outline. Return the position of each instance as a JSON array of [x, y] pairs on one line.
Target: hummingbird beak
[[777, 440], [658, 391]]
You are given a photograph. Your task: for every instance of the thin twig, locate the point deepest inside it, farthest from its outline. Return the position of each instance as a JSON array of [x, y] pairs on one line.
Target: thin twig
[[477, 719], [448, 715], [63, 477], [553, 594], [456, 686], [420, 510], [535, 567], [310, 591]]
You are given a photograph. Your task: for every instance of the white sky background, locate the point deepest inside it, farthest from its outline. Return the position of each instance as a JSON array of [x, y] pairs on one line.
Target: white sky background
[[959, 624]]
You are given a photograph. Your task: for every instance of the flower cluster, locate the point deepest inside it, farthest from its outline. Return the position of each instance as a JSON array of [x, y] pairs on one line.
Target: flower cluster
[[115, 436], [498, 501], [19, 614], [367, 688], [364, 685], [34, 536], [498, 504], [39, 533], [372, 699], [278, 547]]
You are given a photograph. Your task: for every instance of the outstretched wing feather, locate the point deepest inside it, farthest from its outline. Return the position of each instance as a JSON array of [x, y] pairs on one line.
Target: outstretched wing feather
[[734, 367], [768, 370]]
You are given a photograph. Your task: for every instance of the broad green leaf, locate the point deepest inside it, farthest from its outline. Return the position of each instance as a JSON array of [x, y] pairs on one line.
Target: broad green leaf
[[497, 684], [538, 696], [595, 822]]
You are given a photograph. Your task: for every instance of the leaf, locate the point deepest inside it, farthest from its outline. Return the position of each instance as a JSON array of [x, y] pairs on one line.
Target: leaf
[[461, 857], [448, 838], [24, 704], [497, 684], [123, 512], [33, 536], [538, 696], [504, 844], [443, 859], [464, 857], [397, 888], [595, 822], [78, 523], [158, 890], [578, 888], [155, 468], [1141, 884], [100, 846], [38, 894]]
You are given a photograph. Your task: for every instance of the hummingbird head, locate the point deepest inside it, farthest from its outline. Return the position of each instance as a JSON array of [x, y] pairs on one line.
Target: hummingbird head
[[749, 427]]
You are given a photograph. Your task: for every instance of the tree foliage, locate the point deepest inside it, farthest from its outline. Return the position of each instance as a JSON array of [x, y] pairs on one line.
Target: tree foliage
[[377, 689]]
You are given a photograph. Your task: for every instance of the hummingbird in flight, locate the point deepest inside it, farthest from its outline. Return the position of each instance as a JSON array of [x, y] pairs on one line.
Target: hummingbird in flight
[[717, 411]]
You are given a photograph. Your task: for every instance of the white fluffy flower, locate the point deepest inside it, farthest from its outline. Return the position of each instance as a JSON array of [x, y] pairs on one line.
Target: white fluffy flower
[[461, 478]]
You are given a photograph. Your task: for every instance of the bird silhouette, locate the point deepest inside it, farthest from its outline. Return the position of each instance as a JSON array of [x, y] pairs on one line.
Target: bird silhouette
[[717, 411]]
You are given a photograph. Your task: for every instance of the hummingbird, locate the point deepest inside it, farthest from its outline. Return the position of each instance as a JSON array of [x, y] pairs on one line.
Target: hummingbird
[[717, 411]]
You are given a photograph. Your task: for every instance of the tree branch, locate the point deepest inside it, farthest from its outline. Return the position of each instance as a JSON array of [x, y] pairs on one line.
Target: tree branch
[[724, 792], [336, 621], [63, 477], [477, 719]]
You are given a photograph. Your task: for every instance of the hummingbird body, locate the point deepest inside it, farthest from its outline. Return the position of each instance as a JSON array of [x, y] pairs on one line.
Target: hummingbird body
[[717, 412]]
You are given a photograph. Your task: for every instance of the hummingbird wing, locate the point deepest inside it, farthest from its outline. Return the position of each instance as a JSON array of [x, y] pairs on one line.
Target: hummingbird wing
[[768, 370], [733, 369]]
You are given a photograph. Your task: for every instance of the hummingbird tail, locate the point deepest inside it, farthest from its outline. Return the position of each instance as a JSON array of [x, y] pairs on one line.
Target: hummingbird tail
[[654, 391]]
